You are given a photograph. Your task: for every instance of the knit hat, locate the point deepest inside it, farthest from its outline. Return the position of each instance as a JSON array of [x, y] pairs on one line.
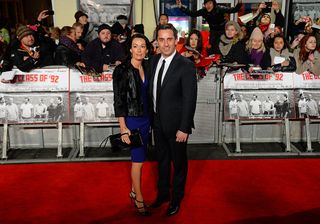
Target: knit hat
[[117, 28], [103, 27], [206, 1], [122, 19], [78, 14], [23, 31], [139, 28], [256, 34], [234, 24]]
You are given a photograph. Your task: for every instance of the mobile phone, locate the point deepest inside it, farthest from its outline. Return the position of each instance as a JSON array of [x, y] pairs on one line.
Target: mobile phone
[[272, 26], [50, 12], [269, 4]]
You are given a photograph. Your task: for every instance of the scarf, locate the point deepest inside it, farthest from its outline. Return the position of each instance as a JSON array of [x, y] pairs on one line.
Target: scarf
[[264, 28], [284, 53], [225, 45], [66, 41], [256, 56]]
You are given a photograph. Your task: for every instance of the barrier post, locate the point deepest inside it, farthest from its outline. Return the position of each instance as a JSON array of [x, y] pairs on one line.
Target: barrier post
[[288, 144], [81, 145], [237, 123], [5, 141], [309, 147], [59, 151]]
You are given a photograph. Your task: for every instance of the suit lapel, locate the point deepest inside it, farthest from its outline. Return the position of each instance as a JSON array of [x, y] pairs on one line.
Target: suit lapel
[[170, 70], [153, 72]]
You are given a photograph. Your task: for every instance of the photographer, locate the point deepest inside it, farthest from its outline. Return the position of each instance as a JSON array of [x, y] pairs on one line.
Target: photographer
[[27, 56]]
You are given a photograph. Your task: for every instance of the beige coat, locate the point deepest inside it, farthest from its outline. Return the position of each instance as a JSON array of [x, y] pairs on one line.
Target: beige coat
[[307, 65]]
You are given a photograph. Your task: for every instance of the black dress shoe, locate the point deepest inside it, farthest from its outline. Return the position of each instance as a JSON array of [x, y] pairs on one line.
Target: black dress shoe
[[159, 201], [173, 209]]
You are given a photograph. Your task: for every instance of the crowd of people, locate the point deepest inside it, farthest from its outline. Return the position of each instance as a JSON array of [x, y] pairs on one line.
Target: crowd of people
[[260, 41], [161, 92]]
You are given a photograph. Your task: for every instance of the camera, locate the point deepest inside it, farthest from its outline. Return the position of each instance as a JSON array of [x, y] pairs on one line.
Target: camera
[[268, 8], [50, 12], [35, 48]]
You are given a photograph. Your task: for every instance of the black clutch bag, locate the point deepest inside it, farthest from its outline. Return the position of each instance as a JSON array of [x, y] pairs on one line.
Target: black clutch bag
[[118, 145]]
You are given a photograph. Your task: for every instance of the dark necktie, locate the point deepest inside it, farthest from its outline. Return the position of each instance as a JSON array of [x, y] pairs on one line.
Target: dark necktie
[[159, 83]]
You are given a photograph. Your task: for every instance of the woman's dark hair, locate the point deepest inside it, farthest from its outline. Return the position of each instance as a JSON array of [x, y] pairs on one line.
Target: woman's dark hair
[[139, 35], [286, 45], [303, 54], [199, 43]]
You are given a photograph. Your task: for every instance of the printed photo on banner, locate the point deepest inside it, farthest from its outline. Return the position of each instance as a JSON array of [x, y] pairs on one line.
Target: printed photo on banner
[[259, 104], [34, 108], [92, 107], [308, 103], [102, 11]]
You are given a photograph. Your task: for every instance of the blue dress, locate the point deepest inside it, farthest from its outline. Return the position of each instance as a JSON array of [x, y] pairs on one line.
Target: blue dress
[[143, 123]]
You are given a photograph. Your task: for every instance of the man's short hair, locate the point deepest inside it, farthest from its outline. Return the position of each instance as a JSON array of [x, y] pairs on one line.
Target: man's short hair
[[164, 14], [168, 26]]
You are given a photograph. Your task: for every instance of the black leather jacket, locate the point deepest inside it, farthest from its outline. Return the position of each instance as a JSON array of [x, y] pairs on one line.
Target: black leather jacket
[[127, 90]]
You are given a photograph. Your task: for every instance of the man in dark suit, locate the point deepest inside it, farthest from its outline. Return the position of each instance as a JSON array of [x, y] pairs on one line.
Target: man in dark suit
[[173, 87]]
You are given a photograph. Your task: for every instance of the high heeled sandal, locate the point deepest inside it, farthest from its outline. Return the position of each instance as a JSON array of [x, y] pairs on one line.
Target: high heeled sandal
[[132, 196], [143, 212]]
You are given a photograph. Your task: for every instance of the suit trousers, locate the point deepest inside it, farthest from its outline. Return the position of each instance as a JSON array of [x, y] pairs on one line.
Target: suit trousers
[[167, 150]]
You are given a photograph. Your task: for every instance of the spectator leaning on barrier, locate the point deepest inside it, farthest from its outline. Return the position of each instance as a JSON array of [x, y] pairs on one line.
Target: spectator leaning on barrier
[[68, 53], [231, 46], [103, 51], [255, 47], [27, 56], [280, 58], [307, 57]]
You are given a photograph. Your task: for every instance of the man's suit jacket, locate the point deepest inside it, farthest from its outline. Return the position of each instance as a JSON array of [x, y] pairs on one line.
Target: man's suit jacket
[[178, 96]]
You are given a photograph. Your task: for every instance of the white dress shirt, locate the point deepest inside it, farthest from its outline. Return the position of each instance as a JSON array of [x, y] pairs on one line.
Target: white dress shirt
[[166, 66]]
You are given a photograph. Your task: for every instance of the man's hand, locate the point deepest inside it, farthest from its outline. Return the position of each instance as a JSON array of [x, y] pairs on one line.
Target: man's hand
[[42, 15], [80, 64], [36, 55], [181, 136], [105, 67]]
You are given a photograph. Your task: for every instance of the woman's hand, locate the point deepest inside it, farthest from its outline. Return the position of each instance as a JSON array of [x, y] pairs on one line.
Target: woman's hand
[[285, 63], [311, 57], [125, 133]]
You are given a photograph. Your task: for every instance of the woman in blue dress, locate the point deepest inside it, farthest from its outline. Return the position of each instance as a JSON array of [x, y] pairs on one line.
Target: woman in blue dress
[[130, 86]]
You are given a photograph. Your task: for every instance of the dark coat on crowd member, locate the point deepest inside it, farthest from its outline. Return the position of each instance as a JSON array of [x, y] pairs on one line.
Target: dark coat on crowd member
[[237, 53], [215, 18], [5, 58], [95, 56], [47, 48], [267, 61], [67, 53], [17, 57]]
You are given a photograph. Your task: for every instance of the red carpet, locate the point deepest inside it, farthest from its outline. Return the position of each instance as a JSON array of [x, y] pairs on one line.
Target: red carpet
[[230, 191]]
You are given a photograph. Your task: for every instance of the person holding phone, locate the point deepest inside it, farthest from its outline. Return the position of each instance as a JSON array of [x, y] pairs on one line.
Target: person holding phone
[[214, 14]]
